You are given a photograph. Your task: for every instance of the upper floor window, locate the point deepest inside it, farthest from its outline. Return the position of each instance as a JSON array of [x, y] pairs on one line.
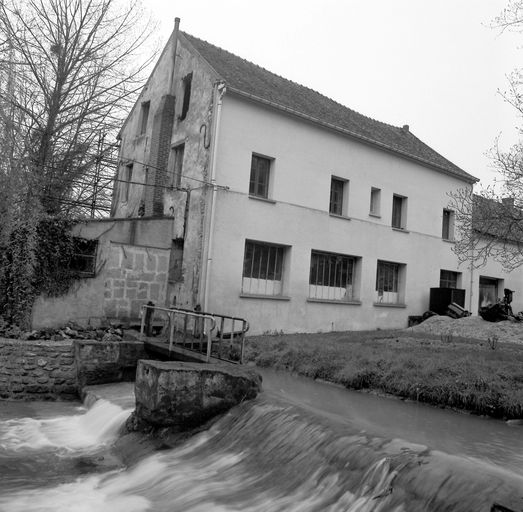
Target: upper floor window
[[449, 279], [375, 200], [338, 196], [260, 174], [127, 178], [177, 154], [331, 276], [447, 228], [399, 212], [187, 82], [144, 116], [263, 268]]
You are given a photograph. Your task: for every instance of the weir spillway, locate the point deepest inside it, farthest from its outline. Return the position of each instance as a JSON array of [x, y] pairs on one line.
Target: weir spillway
[[300, 446]]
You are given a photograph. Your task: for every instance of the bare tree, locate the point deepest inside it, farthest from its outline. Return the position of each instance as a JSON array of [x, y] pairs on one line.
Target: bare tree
[[490, 223], [73, 71], [69, 71]]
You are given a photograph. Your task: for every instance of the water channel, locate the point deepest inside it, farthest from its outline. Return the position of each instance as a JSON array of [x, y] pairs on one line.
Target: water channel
[[300, 446]]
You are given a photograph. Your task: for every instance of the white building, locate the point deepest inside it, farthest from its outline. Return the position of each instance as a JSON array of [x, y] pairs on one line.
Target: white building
[[286, 208]]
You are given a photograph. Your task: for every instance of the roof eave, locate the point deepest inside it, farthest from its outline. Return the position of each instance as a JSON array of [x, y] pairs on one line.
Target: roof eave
[[344, 131]]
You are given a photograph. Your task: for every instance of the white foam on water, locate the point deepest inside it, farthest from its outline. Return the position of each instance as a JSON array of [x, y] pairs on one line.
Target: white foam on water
[[98, 426]]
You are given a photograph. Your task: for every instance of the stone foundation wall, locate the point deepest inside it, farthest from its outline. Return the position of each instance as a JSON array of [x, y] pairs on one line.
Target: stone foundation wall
[[41, 370], [51, 370]]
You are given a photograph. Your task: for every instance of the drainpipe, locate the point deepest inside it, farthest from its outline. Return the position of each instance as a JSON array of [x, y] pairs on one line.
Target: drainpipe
[[471, 277], [175, 47], [219, 91]]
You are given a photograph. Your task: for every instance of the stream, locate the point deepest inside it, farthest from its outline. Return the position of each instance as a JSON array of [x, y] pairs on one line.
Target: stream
[[300, 446]]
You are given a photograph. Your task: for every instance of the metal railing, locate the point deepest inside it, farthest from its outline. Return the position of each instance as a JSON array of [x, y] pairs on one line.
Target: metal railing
[[194, 330]]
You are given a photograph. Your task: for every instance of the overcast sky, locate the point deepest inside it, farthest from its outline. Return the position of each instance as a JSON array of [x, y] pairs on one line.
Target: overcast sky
[[434, 65]]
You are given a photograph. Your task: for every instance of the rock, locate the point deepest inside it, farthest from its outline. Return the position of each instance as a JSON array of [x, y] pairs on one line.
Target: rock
[[184, 395], [111, 337], [72, 333]]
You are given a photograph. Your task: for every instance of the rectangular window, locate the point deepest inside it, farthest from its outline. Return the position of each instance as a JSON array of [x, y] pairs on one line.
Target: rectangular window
[[448, 279], [144, 116], [127, 178], [83, 261], [331, 276], [260, 173], [176, 261], [447, 230], [177, 154], [399, 212], [263, 268], [186, 82], [389, 286], [375, 199], [337, 204]]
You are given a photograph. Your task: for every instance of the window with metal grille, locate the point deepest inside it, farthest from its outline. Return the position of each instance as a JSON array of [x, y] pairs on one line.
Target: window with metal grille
[[83, 261], [447, 229], [262, 268], [388, 282], [331, 276], [448, 279], [260, 172], [399, 205], [336, 205]]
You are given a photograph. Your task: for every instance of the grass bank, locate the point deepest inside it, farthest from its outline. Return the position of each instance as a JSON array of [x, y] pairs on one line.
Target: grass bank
[[459, 373]]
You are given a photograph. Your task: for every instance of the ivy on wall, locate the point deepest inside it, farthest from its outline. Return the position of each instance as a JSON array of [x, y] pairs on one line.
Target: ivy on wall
[[34, 259]]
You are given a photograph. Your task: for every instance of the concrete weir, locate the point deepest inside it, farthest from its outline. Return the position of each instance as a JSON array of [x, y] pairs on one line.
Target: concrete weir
[[185, 395]]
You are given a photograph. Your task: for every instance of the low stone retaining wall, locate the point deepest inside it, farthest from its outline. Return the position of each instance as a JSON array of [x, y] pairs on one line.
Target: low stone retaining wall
[[103, 362], [40, 370], [50, 370]]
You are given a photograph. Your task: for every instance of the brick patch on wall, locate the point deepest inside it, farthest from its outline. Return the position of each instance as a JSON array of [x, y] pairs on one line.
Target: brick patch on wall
[[134, 276]]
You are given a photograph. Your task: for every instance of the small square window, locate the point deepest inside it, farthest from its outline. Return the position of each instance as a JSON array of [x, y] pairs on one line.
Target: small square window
[[331, 276], [338, 196], [449, 279], [144, 116], [375, 199], [83, 261], [447, 228], [260, 175], [390, 282], [399, 212], [263, 268]]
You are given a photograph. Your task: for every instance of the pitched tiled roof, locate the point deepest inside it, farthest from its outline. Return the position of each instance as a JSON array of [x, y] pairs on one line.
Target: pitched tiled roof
[[246, 78]]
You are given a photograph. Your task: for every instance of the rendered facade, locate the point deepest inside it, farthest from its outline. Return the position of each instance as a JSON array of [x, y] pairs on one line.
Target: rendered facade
[[283, 207]]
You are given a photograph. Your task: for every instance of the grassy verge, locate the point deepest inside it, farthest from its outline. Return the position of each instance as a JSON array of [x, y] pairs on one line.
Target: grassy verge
[[458, 373]]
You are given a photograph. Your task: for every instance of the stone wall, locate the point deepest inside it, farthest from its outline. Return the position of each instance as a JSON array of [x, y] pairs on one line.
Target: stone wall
[[50, 370], [39, 370], [134, 276], [113, 361]]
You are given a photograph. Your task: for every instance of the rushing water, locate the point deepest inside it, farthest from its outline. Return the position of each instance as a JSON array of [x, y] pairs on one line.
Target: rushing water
[[300, 446]]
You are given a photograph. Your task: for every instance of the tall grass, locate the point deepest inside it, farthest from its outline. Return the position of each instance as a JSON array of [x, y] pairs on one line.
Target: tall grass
[[463, 374]]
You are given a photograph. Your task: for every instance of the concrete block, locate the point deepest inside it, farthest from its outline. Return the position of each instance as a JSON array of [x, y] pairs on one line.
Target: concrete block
[[185, 395]]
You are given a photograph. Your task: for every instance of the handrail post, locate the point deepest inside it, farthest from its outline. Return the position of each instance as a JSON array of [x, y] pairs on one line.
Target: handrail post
[[209, 342]]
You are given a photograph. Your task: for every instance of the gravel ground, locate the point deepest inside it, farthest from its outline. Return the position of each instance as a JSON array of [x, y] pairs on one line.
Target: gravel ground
[[472, 327]]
